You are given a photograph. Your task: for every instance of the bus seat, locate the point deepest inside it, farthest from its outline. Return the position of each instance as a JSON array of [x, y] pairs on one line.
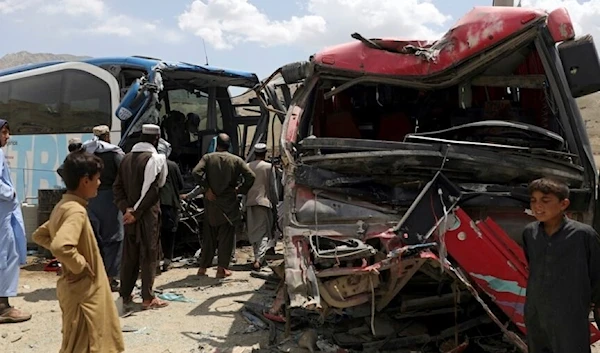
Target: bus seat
[[193, 124], [175, 128], [394, 126], [209, 143], [341, 125]]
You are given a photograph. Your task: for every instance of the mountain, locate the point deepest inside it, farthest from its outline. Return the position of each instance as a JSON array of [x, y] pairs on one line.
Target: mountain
[[24, 57]]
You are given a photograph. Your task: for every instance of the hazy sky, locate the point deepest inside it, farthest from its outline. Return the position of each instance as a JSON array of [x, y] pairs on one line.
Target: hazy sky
[[251, 35]]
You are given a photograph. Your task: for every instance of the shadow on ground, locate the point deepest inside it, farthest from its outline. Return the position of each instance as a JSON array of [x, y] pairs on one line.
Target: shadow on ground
[[228, 301], [42, 294]]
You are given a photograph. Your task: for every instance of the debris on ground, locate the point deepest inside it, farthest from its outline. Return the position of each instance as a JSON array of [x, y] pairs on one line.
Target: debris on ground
[[174, 297], [254, 320]]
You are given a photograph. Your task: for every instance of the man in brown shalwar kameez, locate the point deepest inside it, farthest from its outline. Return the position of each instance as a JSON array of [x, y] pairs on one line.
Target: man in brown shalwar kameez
[[136, 191], [218, 174], [90, 322]]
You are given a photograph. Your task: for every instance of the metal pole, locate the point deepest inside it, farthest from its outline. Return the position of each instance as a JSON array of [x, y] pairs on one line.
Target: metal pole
[[509, 3]]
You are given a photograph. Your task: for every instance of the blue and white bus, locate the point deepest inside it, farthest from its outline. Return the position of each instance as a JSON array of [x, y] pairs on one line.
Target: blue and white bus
[[49, 103]]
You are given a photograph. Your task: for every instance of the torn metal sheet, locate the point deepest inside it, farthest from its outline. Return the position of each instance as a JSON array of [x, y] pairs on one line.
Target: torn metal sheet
[[344, 287], [480, 29], [400, 275]]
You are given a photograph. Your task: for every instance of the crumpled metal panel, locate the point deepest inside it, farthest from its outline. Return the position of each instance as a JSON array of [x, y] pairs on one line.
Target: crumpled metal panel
[[478, 30]]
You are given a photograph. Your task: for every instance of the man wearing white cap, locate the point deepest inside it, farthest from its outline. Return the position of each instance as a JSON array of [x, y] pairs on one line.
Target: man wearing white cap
[[169, 205], [74, 145], [105, 216], [137, 194], [259, 203]]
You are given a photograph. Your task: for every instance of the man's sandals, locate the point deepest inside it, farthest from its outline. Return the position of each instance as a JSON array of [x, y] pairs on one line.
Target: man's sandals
[[13, 316], [221, 272], [155, 303]]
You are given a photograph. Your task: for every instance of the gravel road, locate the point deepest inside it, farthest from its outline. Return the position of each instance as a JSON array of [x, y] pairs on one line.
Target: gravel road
[[212, 320]]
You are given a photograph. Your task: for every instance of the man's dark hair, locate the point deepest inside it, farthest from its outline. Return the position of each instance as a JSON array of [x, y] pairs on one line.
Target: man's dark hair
[[550, 186], [262, 155], [223, 141], [75, 146], [78, 165]]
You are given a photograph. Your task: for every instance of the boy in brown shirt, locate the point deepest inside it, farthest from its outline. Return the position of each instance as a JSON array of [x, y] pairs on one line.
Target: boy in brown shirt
[[90, 322]]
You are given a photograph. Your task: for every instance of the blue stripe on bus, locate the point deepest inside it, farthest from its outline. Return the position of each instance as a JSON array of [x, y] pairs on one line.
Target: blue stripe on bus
[[33, 160], [147, 64]]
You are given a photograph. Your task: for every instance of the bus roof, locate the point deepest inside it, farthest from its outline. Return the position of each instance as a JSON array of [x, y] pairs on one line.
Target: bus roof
[[241, 78]]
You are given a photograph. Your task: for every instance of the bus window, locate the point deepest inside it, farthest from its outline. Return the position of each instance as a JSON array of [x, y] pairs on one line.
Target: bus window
[[34, 104], [69, 101], [4, 99], [86, 102]]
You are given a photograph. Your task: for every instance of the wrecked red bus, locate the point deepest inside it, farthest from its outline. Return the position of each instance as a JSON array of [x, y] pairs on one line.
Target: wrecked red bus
[[405, 172]]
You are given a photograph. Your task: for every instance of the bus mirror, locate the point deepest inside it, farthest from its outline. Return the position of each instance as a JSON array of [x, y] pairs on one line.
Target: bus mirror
[[296, 72], [581, 65], [132, 101]]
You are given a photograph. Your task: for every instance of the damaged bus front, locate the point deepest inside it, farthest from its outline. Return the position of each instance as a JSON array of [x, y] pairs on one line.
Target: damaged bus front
[[192, 104], [406, 165]]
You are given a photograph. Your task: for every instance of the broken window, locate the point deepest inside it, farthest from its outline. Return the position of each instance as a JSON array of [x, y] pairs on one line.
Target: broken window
[[514, 90]]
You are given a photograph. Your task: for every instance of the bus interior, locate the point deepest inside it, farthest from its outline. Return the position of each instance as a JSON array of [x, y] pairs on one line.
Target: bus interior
[[193, 107]]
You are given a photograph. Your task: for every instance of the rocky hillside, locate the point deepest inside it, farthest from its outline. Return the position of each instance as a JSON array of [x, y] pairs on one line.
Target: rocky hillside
[[590, 110], [24, 57]]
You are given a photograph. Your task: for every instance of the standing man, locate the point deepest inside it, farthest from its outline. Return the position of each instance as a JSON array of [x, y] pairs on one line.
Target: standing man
[[74, 145], [13, 244], [105, 216], [169, 205], [259, 206], [218, 173], [137, 190]]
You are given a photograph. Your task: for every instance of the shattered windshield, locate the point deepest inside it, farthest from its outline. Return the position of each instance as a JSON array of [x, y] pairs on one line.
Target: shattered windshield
[[191, 107], [182, 101]]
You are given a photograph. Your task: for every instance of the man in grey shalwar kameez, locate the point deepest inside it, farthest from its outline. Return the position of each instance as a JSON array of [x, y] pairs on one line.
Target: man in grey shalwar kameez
[[105, 216], [259, 206]]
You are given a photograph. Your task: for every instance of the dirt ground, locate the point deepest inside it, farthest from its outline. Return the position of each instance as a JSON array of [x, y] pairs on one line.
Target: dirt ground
[[211, 323], [212, 320]]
